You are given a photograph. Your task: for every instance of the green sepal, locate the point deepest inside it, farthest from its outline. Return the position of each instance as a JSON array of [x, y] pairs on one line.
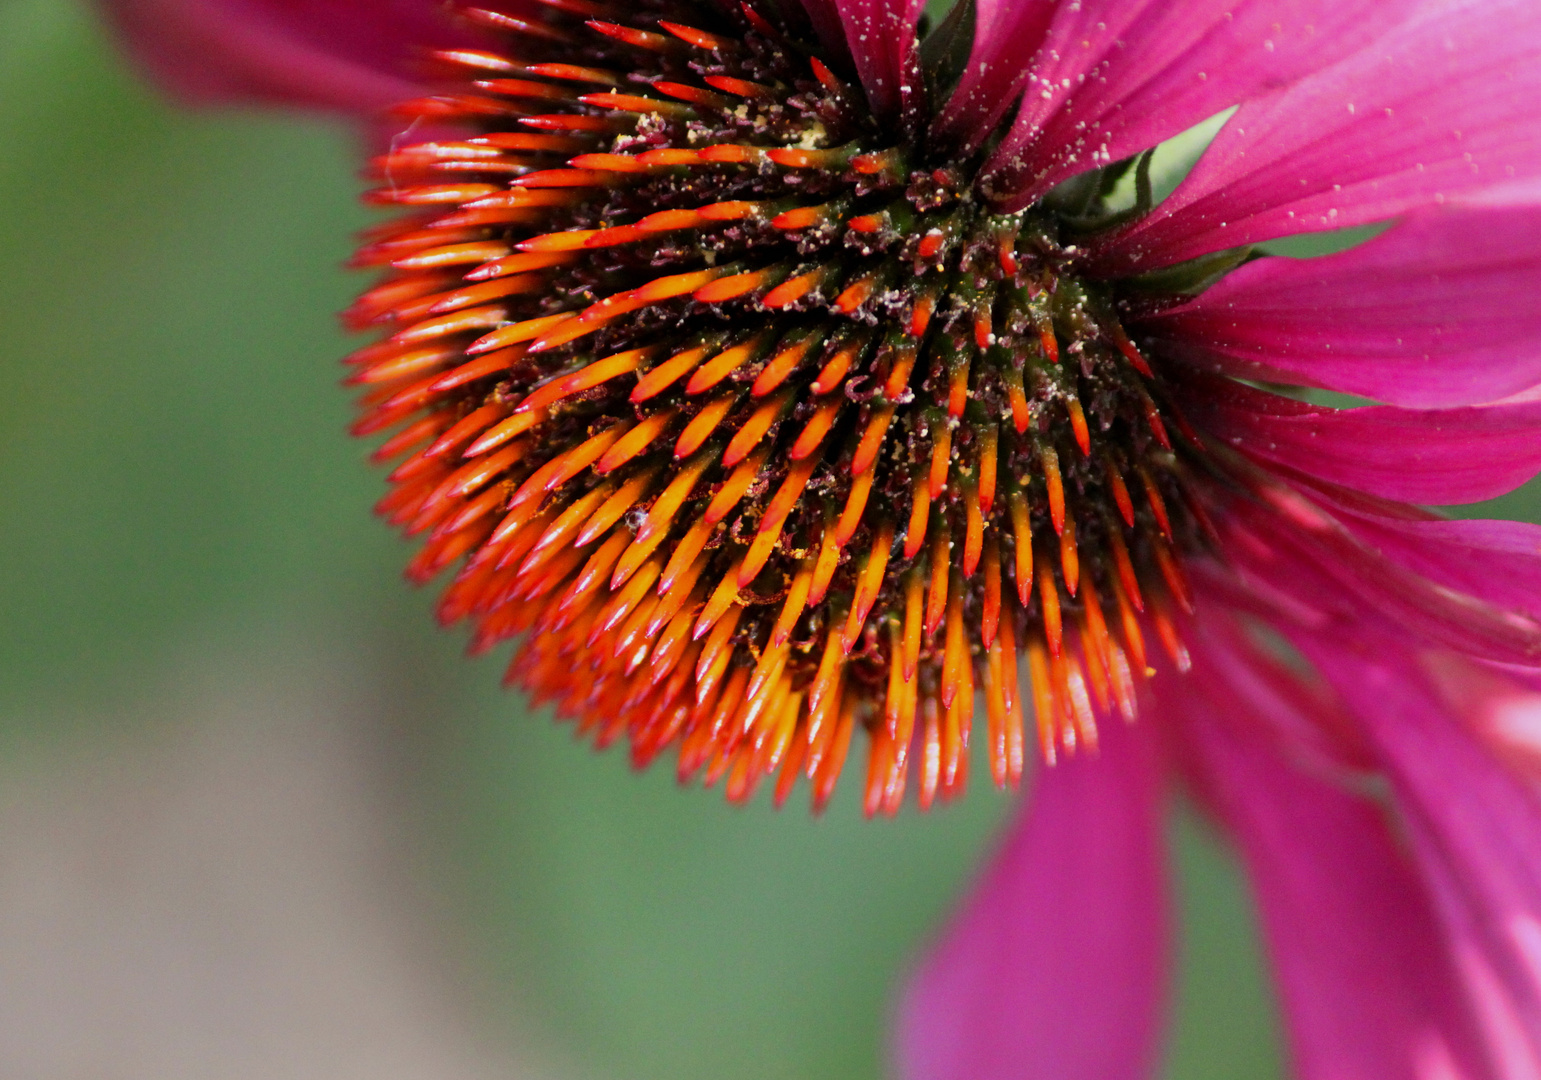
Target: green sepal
[[945, 51], [1192, 277]]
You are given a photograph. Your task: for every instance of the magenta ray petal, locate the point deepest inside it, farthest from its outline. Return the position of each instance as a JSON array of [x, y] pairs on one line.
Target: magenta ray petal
[[1500, 703], [1438, 311], [881, 36], [1494, 560], [1005, 33], [1430, 456], [1369, 991], [1474, 828], [1442, 105], [1056, 967], [825, 17], [1307, 569], [350, 55], [1113, 77]]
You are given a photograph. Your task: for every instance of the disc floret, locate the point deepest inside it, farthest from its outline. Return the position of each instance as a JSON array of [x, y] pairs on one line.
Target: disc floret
[[757, 423]]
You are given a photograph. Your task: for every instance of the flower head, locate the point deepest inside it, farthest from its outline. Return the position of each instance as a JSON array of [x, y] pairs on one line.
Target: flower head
[[756, 420], [780, 374]]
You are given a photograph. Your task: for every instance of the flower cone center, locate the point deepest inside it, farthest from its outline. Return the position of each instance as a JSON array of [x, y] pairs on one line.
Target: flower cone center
[[754, 421]]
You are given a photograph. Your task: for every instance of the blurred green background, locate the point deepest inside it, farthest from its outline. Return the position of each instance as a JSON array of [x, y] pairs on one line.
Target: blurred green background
[[175, 478]]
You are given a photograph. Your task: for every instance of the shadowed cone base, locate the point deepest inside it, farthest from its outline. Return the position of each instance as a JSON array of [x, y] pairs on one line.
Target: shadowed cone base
[[753, 418]]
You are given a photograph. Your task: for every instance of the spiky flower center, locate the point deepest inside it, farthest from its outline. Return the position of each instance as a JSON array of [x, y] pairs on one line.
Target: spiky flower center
[[753, 419]]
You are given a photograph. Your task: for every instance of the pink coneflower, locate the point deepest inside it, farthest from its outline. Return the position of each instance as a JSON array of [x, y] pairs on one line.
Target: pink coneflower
[[773, 374]]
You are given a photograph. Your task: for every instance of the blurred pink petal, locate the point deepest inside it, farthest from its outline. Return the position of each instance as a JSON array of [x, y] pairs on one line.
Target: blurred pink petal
[[1369, 991], [1499, 561], [1056, 967], [1307, 568], [1430, 456], [1499, 704], [1438, 107], [1438, 311], [348, 55], [1473, 827]]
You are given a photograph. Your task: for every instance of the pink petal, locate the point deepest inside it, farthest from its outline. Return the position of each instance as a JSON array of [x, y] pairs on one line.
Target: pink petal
[[1056, 967], [1496, 561], [1475, 829], [1429, 456], [1369, 990], [351, 55], [881, 37], [825, 17], [1295, 564], [1500, 705], [1233, 675], [1438, 311], [1113, 77], [1442, 105]]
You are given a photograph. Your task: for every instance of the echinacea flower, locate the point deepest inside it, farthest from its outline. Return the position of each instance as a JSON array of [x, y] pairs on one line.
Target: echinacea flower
[[774, 374]]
